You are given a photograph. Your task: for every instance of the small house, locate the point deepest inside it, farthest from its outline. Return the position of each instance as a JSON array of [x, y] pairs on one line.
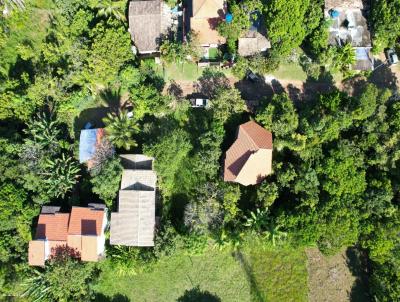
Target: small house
[[149, 21], [206, 15], [254, 41], [134, 223], [349, 25], [249, 160], [82, 230]]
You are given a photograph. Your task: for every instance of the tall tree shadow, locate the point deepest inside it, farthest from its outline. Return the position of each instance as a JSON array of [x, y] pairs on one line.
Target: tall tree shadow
[[116, 298], [383, 76], [197, 295], [357, 263], [257, 295]]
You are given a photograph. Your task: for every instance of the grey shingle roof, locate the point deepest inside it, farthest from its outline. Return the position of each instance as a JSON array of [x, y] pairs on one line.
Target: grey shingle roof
[[145, 24], [133, 224]]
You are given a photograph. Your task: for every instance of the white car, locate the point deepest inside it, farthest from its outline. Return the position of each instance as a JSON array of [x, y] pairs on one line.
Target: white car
[[198, 102]]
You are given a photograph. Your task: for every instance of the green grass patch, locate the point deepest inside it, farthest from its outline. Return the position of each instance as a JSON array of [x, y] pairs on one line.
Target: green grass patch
[[184, 72], [255, 274], [213, 53], [290, 71], [279, 275], [217, 275]]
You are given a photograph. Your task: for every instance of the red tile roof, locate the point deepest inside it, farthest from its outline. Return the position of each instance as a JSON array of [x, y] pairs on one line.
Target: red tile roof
[[85, 221], [251, 138], [53, 226], [261, 137]]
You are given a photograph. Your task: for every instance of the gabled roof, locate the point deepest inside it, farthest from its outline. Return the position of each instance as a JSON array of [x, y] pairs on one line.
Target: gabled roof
[[53, 226], [145, 24], [249, 159], [259, 136], [207, 8], [86, 221], [252, 43], [133, 224]]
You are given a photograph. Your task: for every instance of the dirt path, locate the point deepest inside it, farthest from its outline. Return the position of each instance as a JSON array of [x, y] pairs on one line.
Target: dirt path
[[337, 278]]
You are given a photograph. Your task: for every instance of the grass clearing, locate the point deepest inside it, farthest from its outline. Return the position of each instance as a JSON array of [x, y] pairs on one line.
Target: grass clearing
[[290, 71], [217, 273], [184, 72], [279, 275], [252, 275]]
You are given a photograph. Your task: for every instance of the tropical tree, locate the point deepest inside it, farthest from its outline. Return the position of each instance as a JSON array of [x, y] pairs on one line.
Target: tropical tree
[[44, 131], [111, 9], [257, 220], [62, 174], [120, 129], [106, 178], [65, 278], [9, 5]]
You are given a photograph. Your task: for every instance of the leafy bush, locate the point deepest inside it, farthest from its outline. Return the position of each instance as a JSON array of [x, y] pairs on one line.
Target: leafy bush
[[106, 180]]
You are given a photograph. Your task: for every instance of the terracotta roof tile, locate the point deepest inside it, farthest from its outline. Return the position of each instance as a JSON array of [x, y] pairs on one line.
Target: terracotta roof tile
[[53, 226], [261, 137], [244, 156], [86, 221]]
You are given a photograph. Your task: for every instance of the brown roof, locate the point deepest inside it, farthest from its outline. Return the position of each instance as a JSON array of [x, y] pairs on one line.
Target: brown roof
[[253, 43], [86, 221], [332, 4], [53, 226], [36, 254], [145, 24], [258, 135], [206, 16], [249, 159], [208, 8]]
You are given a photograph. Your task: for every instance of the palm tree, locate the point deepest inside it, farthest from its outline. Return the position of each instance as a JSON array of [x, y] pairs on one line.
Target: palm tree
[[111, 8], [9, 5], [120, 130]]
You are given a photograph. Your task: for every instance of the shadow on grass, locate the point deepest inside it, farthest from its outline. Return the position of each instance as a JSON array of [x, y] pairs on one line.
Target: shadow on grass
[[116, 298], [257, 295], [197, 295]]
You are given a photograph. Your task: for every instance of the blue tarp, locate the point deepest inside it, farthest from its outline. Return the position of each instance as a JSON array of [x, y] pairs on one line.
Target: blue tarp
[[362, 53], [87, 144]]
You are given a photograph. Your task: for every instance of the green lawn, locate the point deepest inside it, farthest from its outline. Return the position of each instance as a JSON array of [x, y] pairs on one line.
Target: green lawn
[[257, 275], [184, 72], [279, 275], [290, 71]]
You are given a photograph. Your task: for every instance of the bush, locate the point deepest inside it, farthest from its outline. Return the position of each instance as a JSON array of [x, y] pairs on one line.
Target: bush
[[106, 180]]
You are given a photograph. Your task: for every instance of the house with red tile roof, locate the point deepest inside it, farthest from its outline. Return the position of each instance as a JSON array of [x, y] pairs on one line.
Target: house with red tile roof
[[82, 230], [249, 160]]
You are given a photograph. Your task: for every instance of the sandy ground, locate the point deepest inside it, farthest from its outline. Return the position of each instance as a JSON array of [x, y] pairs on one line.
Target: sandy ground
[[337, 278]]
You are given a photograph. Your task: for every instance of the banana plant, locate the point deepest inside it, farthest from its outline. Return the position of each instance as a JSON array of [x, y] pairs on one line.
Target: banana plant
[[62, 174]]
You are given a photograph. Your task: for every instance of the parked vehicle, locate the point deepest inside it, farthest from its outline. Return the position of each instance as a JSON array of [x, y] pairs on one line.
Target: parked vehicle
[[199, 102], [251, 76], [391, 56]]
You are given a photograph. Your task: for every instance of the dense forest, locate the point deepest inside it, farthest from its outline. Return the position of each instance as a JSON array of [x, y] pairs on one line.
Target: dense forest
[[336, 158]]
